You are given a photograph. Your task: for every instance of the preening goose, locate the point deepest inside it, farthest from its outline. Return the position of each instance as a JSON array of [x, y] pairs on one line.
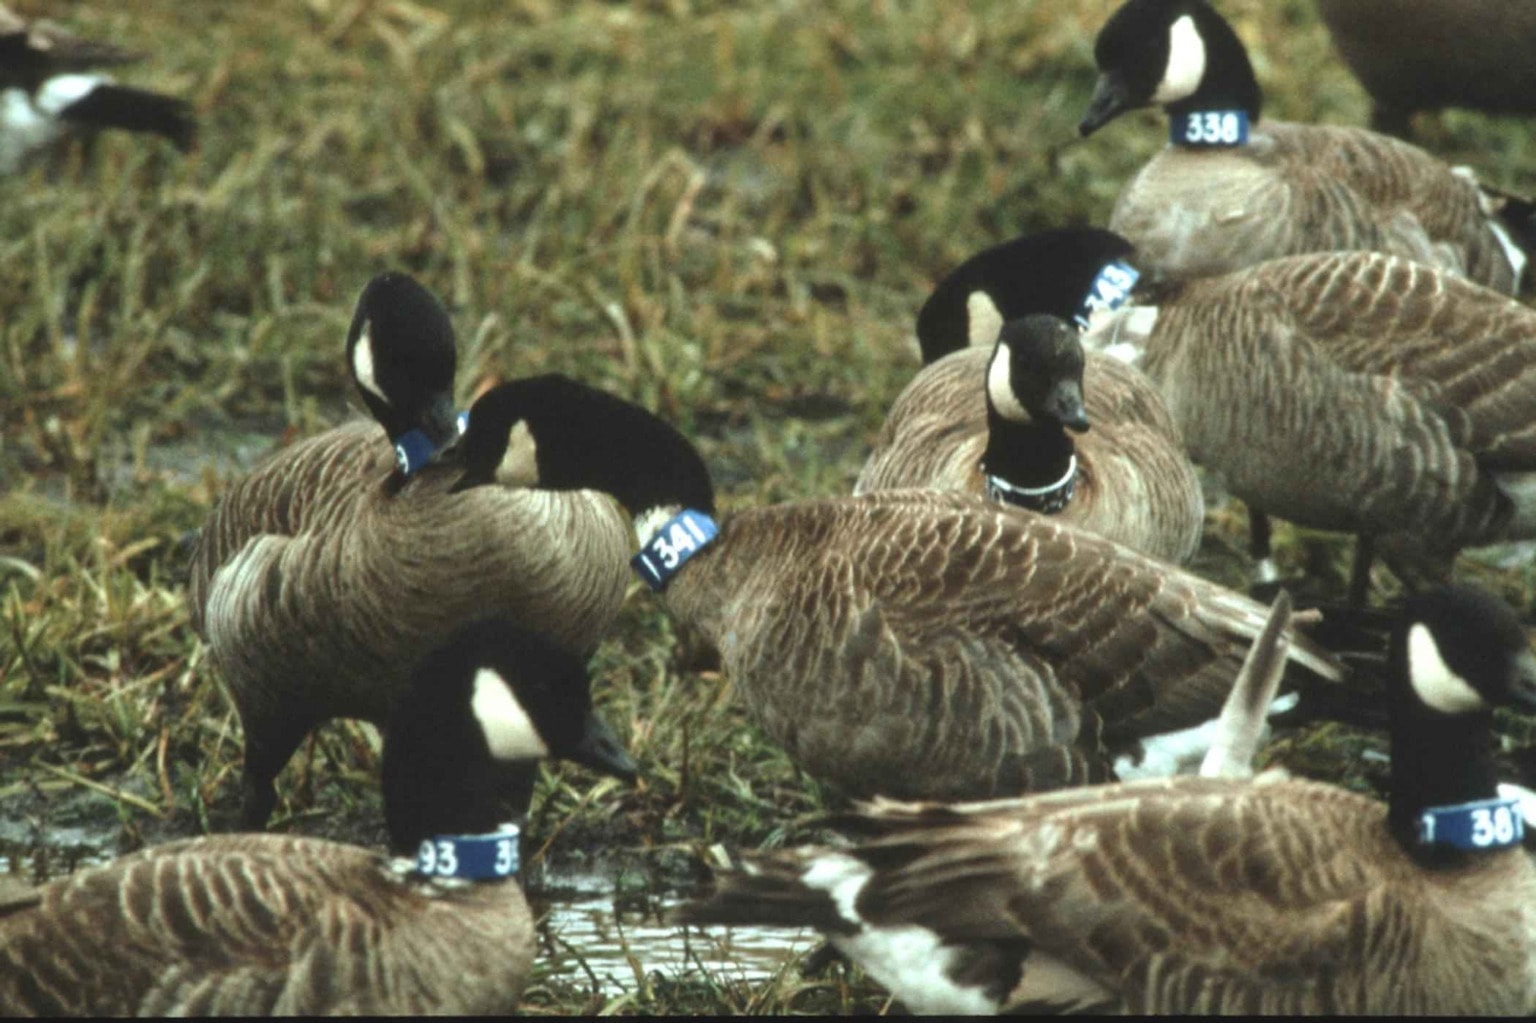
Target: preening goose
[[257, 925], [1437, 53], [990, 412], [337, 562], [49, 92], [902, 642], [1354, 391], [1207, 895], [1229, 192]]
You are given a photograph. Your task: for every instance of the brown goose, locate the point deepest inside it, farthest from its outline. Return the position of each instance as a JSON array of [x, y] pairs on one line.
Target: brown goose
[[903, 642], [1437, 53], [1354, 391], [994, 423], [1207, 895], [1229, 192], [49, 92], [258, 925], [337, 562]]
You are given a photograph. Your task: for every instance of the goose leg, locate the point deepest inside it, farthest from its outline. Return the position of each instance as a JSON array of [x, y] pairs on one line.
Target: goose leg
[[1266, 577], [266, 752], [1360, 571]]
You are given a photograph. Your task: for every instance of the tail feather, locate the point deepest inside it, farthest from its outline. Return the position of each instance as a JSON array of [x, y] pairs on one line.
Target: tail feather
[[768, 891], [117, 106], [1517, 216]]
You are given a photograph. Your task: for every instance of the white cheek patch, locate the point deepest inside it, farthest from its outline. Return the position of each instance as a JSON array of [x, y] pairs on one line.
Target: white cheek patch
[[362, 364], [983, 322], [1434, 681], [1000, 390], [509, 732], [1186, 62], [520, 465]]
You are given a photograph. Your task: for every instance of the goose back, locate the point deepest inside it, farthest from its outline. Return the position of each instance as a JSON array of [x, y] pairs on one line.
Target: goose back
[[1177, 895], [924, 644], [1134, 483], [1350, 391], [1308, 188], [338, 930]]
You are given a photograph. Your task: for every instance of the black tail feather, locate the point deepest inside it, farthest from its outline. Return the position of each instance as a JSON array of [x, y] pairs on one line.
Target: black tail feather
[[116, 106], [1518, 215]]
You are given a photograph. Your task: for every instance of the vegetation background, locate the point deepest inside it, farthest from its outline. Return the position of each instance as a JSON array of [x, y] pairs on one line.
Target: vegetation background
[[727, 211]]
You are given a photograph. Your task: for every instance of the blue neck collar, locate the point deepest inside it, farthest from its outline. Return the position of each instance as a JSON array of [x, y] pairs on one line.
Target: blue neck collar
[[415, 449], [680, 538], [1484, 824], [1208, 129], [492, 857], [1110, 290]]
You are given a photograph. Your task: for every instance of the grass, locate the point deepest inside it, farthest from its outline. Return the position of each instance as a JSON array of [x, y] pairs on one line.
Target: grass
[[729, 212]]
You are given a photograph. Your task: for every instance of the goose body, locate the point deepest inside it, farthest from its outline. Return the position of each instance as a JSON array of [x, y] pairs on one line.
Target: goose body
[[1437, 53], [1198, 210], [321, 576], [1004, 382], [908, 642], [257, 925], [1200, 895], [1353, 391], [50, 92], [1134, 483]]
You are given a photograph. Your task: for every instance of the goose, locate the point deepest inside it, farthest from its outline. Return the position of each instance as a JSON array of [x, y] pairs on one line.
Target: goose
[[1437, 53], [1206, 895], [49, 92], [325, 572], [1353, 391], [1229, 191], [904, 642], [993, 420], [258, 925]]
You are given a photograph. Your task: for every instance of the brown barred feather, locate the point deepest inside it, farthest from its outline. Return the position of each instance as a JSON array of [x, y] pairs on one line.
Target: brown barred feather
[[1306, 188], [263, 925], [933, 645]]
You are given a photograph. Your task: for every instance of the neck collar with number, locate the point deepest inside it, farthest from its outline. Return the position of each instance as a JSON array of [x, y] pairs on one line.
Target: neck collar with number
[[1208, 129], [1049, 499], [669, 548], [492, 857], [415, 449], [1110, 290], [1484, 824]]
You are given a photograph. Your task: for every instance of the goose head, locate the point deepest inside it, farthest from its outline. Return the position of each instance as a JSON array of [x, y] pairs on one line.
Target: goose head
[[1177, 54], [467, 736], [1058, 272], [552, 432], [1036, 374], [1456, 654], [402, 357]]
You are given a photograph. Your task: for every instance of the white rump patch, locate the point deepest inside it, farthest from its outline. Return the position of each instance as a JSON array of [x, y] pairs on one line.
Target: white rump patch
[[520, 465], [1437, 685], [362, 364], [62, 91], [983, 321], [909, 960], [1512, 252], [1186, 62], [1000, 389], [509, 731]]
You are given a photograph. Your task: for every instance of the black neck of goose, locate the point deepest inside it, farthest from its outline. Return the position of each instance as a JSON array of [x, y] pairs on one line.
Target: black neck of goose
[[454, 791], [1031, 455], [1229, 82], [1437, 760]]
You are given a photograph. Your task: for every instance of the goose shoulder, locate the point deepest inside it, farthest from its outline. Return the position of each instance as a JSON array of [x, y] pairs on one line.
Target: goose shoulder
[[936, 612], [265, 924]]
